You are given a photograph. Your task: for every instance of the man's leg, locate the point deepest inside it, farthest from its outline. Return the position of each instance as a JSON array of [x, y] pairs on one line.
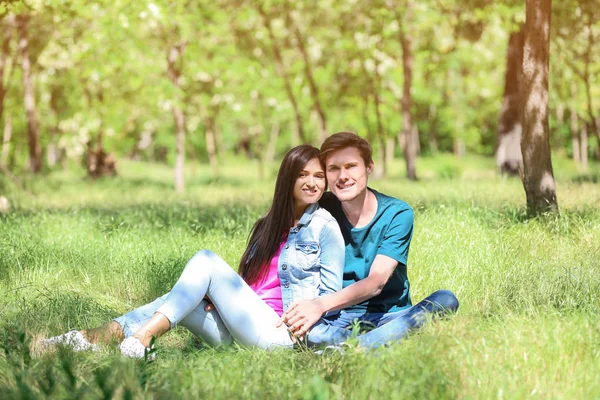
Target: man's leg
[[438, 303], [333, 330]]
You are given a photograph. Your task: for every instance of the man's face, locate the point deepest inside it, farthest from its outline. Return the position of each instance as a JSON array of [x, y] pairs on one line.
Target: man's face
[[347, 173]]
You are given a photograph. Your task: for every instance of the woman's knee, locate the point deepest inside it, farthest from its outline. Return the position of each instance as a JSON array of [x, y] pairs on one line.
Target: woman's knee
[[208, 263], [203, 255]]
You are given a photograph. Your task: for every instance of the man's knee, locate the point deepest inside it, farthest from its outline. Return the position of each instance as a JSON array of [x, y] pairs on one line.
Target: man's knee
[[323, 333], [446, 300]]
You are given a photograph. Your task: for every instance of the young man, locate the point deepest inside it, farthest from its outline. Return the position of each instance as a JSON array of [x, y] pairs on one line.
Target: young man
[[377, 230]]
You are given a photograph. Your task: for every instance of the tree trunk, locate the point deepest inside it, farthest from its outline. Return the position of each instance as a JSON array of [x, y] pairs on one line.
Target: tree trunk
[[179, 148], [52, 151], [381, 136], [295, 136], [459, 146], [373, 90], [508, 155], [560, 122], [590, 109], [410, 147], [33, 128], [432, 142], [272, 143], [390, 147], [282, 72], [575, 136], [211, 147], [594, 125], [584, 146], [6, 141], [538, 177], [173, 56], [314, 90], [6, 38], [597, 125], [366, 120]]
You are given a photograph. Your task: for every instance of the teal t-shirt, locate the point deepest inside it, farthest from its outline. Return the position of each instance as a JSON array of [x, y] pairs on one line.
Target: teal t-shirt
[[389, 233]]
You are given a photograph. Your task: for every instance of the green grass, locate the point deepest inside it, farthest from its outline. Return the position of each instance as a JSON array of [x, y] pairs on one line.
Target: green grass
[[74, 254]]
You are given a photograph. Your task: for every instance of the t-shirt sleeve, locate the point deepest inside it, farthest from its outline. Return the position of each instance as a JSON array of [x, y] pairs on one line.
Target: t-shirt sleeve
[[396, 240]]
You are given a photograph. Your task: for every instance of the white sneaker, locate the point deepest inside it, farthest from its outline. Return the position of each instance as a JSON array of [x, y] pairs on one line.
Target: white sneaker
[[73, 339], [332, 349], [133, 348]]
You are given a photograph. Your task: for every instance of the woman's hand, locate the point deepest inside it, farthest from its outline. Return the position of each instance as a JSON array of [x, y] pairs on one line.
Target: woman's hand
[[301, 316]]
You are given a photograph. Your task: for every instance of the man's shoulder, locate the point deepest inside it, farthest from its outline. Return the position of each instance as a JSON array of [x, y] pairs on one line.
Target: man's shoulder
[[391, 204], [329, 202]]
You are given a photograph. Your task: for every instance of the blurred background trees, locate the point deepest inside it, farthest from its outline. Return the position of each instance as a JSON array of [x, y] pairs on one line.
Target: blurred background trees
[[167, 81]]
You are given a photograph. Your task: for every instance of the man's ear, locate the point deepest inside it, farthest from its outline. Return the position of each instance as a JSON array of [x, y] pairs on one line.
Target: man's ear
[[370, 168]]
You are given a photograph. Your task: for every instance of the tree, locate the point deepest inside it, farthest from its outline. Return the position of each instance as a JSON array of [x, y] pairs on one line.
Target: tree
[[538, 177], [174, 55], [309, 74], [33, 125], [410, 138], [508, 155], [283, 73]]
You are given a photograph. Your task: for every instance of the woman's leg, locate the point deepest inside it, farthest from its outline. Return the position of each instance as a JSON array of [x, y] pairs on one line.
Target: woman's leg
[[107, 333], [206, 325], [249, 320]]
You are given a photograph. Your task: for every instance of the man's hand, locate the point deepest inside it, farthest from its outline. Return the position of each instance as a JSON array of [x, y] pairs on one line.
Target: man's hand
[[301, 316]]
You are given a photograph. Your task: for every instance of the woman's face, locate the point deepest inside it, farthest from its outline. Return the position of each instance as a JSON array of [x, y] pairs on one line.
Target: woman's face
[[310, 184]]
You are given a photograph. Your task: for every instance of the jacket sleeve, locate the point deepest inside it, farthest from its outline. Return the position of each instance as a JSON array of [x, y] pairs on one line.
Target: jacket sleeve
[[332, 258]]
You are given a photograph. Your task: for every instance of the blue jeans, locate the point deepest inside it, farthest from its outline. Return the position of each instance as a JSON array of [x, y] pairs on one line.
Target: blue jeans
[[242, 315], [389, 327]]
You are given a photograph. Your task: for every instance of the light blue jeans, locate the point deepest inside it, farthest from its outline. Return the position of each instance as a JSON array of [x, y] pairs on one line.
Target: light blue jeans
[[242, 315], [389, 327]]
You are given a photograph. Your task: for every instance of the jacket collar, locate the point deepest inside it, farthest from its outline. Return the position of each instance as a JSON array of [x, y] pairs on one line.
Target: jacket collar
[[308, 214]]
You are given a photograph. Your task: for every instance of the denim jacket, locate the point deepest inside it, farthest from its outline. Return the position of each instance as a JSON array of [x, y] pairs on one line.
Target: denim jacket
[[311, 263]]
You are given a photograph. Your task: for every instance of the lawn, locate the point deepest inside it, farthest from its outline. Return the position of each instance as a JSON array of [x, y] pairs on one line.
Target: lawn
[[75, 253]]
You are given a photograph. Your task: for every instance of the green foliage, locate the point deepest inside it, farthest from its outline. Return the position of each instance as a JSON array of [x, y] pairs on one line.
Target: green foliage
[[100, 68]]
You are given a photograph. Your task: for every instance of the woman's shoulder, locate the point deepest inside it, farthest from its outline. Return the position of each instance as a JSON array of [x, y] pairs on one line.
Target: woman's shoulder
[[326, 223], [323, 214]]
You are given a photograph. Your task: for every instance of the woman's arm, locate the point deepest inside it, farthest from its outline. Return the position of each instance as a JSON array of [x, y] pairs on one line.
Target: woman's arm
[[332, 258]]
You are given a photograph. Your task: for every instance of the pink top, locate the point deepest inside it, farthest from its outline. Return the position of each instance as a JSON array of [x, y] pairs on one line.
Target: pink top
[[269, 289]]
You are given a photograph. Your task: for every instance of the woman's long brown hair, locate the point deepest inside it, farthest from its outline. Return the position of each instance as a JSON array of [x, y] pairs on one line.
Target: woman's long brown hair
[[270, 230]]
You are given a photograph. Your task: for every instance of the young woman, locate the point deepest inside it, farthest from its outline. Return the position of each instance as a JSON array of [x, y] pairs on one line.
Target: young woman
[[295, 251]]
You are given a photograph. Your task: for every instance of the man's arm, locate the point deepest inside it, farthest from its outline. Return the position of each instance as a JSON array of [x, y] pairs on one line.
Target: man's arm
[[302, 315]]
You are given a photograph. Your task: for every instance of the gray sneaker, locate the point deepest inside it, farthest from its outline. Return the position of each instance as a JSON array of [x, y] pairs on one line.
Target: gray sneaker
[[73, 339]]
